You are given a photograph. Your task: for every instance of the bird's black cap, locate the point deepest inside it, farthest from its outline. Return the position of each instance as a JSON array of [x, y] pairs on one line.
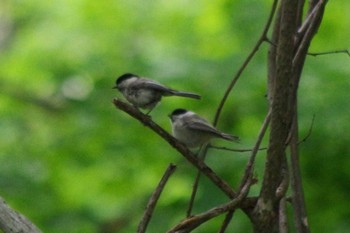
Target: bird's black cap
[[178, 111], [124, 77]]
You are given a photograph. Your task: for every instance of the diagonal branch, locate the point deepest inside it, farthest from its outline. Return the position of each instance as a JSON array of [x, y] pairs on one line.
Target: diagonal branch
[[313, 22], [154, 198], [184, 151], [12, 221], [249, 168], [201, 155], [262, 38]]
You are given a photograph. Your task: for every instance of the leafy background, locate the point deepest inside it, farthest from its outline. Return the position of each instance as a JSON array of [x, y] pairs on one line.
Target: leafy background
[[73, 163]]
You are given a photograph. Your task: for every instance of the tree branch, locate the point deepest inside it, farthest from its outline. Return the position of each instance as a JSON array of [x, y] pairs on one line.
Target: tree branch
[[298, 199], [314, 20], [154, 198], [265, 217], [283, 216], [227, 221], [280, 120], [13, 222], [262, 38], [202, 154], [329, 52], [184, 151]]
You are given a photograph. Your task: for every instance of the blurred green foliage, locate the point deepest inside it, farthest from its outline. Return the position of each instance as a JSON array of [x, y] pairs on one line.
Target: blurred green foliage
[[73, 163]]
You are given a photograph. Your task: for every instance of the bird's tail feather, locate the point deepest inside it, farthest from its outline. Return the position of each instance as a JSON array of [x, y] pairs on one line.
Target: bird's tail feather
[[186, 94], [230, 137]]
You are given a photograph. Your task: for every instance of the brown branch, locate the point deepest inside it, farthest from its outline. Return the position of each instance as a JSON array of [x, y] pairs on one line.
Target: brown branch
[[303, 28], [250, 165], [283, 217], [308, 134], [193, 194], [154, 198], [201, 156], [195, 221], [184, 151], [298, 199], [315, 20], [309, 29], [262, 38], [227, 221], [272, 53], [283, 186], [248, 172], [299, 17], [264, 213]]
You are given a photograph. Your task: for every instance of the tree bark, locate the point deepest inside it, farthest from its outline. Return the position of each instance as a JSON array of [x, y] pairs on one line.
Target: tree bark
[[265, 215], [13, 222]]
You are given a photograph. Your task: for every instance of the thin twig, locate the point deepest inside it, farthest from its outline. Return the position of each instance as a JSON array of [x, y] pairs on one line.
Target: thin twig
[[193, 194], [265, 148], [261, 40], [184, 151], [309, 131], [330, 52], [234, 150], [201, 156], [317, 13], [226, 221], [248, 174], [154, 198], [249, 167], [308, 20]]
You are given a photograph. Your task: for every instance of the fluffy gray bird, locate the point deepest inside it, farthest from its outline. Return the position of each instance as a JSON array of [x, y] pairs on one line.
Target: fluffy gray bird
[[194, 131], [145, 93]]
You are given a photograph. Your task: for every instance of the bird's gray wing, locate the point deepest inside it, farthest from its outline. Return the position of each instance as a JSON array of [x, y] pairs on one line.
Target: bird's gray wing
[[198, 123], [205, 127], [165, 91], [150, 84]]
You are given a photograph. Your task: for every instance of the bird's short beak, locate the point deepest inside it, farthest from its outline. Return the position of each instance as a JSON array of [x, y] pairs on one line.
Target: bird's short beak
[[115, 87]]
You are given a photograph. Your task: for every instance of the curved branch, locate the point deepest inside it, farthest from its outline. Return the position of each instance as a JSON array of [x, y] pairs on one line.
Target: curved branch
[[195, 221], [246, 62]]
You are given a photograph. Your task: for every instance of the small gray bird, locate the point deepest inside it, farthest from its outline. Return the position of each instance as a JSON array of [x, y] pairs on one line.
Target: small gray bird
[[145, 93], [194, 131]]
